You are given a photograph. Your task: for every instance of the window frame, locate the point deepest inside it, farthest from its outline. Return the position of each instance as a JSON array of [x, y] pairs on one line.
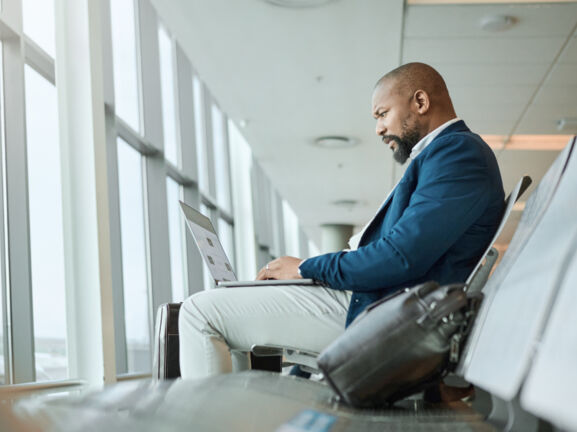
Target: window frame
[[15, 270], [18, 50]]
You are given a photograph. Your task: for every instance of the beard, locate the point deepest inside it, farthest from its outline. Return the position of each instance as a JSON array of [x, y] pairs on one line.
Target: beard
[[405, 142]]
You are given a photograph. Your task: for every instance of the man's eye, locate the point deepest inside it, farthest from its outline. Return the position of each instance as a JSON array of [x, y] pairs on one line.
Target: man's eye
[[384, 113]]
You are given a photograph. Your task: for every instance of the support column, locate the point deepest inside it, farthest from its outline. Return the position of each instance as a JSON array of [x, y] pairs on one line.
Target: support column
[[80, 86], [335, 237]]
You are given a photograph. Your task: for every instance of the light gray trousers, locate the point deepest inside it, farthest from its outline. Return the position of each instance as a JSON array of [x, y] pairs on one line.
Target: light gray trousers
[[215, 323]]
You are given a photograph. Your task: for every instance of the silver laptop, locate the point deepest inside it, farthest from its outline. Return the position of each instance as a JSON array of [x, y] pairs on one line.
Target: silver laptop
[[215, 257]]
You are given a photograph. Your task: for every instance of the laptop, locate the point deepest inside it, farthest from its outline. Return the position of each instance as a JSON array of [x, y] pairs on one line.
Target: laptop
[[215, 257]]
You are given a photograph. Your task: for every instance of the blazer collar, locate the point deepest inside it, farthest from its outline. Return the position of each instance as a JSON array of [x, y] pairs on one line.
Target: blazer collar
[[459, 126]]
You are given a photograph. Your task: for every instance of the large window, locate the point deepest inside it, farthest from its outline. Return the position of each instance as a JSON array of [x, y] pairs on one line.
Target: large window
[[46, 229], [38, 23], [164, 138], [134, 265], [126, 77]]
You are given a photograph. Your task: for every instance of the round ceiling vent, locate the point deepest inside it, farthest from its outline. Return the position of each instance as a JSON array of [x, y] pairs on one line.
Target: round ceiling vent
[[335, 141], [497, 23], [346, 203], [296, 4]]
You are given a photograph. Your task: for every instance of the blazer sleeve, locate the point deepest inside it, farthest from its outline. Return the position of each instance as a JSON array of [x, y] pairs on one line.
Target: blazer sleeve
[[452, 192]]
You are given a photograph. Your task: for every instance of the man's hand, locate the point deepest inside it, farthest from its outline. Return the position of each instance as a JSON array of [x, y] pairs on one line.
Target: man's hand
[[281, 268]]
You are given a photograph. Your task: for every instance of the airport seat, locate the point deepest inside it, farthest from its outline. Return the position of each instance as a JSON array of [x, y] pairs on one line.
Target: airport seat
[[509, 333], [523, 356], [535, 208], [306, 360], [478, 277]]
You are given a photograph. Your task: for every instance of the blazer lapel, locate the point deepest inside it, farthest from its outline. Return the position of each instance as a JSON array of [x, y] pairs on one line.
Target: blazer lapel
[[378, 217]]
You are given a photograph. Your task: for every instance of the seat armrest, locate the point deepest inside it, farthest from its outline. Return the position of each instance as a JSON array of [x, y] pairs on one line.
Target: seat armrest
[[306, 359]]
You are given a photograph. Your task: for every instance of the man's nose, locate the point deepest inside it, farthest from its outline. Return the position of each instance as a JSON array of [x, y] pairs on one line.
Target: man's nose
[[380, 128]]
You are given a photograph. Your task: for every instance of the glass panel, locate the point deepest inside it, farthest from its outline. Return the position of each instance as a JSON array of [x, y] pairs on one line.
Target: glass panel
[[243, 209], [38, 23], [168, 91], [46, 233], [313, 249], [200, 134], [291, 230], [126, 97], [176, 238], [222, 168], [134, 268]]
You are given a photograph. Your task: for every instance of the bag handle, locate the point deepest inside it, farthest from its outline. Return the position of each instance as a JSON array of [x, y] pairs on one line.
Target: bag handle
[[441, 311]]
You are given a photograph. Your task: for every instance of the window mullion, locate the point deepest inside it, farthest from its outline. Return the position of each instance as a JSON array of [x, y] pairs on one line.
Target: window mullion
[[134, 139], [155, 171], [189, 163], [209, 148], [12, 15], [176, 175], [88, 234], [185, 110], [40, 61], [227, 161], [21, 334], [113, 194], [278, 225]]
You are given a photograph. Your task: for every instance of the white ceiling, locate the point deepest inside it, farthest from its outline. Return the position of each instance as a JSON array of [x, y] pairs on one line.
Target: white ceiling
[[295, 74]]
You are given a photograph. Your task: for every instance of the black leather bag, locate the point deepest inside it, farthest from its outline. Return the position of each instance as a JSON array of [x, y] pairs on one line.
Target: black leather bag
[[399, 345], [166, 361]]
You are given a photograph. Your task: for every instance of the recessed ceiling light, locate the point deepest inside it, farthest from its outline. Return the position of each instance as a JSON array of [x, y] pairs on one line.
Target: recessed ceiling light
[[346, 203], [567, 124], [496, 23], [295, 4], [333, 142]]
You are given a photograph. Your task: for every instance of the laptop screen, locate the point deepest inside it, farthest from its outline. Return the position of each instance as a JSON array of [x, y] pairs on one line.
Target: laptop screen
[[208, 244]]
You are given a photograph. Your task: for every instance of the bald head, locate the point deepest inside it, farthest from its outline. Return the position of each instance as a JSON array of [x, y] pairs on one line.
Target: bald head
[[408, 103], [411, 77]]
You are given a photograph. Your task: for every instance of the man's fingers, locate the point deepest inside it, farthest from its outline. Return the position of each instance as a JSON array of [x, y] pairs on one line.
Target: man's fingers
[[266, 272], [261, 274], [280, 268]]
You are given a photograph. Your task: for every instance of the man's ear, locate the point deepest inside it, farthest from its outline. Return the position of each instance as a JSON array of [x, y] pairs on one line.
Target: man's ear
[[421, 101]]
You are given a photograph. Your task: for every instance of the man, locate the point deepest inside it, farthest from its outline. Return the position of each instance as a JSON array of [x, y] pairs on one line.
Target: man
[[435, 225]]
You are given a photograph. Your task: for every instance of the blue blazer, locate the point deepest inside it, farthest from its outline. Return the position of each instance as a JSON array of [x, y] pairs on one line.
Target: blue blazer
[[435, 225]]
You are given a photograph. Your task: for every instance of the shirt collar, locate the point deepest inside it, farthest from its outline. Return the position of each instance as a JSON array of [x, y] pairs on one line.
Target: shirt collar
[[426, 140]]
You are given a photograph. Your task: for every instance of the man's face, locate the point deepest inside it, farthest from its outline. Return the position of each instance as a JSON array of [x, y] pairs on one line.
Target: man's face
[[396, 123]]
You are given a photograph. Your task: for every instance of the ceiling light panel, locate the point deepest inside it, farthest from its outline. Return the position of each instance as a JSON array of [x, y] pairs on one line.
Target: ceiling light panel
[[335, 142], [299, 4], [497, 23], [462, 21], [528, 142]]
